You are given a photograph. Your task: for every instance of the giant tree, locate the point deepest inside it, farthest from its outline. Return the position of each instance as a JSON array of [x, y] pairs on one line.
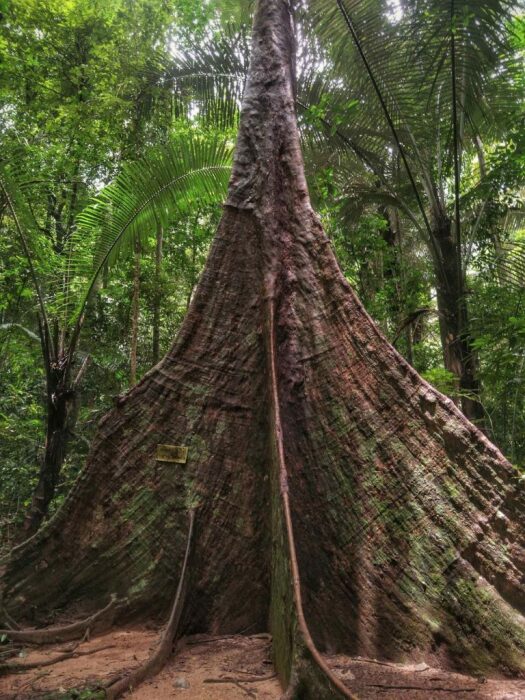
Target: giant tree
[[405, 96], [334, 497]]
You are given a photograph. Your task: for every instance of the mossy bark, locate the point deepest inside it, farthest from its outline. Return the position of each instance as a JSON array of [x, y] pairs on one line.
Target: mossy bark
[[340, 501]]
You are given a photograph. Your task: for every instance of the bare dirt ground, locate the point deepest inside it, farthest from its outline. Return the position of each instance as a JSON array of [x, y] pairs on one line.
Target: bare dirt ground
[[228, 668]]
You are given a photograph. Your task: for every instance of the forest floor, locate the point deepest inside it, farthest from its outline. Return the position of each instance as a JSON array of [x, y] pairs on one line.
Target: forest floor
[[230, 668]]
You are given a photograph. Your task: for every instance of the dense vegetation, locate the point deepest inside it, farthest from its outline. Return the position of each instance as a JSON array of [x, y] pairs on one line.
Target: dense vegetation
[[117, 123]]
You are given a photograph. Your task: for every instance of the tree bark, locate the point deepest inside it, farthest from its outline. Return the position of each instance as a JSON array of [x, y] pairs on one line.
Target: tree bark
[[340, 500]]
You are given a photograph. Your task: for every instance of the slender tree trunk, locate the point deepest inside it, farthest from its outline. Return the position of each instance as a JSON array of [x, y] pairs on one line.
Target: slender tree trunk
[[58, 429], [135, 313], [157, 294], [392, 268], [62, 405], [394, 272], [339, 500], [458, 354], [193, 264]]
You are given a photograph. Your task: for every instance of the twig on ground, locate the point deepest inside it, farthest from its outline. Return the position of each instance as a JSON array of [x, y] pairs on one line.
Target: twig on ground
[[206, 639], [231, 679], [359, 659]]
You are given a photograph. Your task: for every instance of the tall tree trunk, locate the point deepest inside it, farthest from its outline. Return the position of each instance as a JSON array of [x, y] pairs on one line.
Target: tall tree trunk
[[392, 270], [157, 294], [458, 354], [394, 273], [340, 500], [135, 312]]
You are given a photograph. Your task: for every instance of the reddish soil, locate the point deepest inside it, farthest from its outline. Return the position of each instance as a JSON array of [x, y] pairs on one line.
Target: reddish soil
[[229, 668]]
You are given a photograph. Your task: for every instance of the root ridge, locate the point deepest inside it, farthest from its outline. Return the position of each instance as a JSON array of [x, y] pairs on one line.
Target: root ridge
[[165, 648], [102, 619], [285, 502]]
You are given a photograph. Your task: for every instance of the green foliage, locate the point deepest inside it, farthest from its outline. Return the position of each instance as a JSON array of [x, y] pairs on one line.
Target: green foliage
[[442, 379], [167, 183], [76, 84], [119, 117], [22, 424]]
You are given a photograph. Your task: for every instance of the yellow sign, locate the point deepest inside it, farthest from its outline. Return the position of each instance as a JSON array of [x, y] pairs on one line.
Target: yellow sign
[[172, 453]]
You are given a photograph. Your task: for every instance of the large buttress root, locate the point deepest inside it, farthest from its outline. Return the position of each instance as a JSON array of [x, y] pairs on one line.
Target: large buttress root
[[167, 641], [343, 501], [302, 666]]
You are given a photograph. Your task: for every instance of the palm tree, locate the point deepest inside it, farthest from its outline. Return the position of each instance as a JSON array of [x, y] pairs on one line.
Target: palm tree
[[430, 81], [166, 183]]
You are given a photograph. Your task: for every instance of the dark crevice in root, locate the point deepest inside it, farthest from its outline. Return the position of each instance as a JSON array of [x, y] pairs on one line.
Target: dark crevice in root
[[23, 667], [102, 619], [310, 654], [157, 660]]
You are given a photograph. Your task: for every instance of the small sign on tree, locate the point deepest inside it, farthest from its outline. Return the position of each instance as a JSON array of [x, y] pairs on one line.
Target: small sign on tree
[[172, 453]]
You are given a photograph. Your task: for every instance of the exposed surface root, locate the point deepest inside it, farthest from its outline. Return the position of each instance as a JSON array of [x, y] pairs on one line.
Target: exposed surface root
[[22, 667], [157, 660], [100, 620]]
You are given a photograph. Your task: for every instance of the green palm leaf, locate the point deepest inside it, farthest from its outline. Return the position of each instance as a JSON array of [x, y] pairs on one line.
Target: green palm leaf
[[207, 80], [404, 61], [168, 182], [36, 248]]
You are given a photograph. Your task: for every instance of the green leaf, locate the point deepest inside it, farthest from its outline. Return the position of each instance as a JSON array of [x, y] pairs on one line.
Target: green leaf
[[167, 183]]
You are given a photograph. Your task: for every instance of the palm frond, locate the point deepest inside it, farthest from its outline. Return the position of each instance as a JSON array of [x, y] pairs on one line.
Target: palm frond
[[207, 80], [34, 246], [8, 327], [505, 262], [416, 53], [168, 182]]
